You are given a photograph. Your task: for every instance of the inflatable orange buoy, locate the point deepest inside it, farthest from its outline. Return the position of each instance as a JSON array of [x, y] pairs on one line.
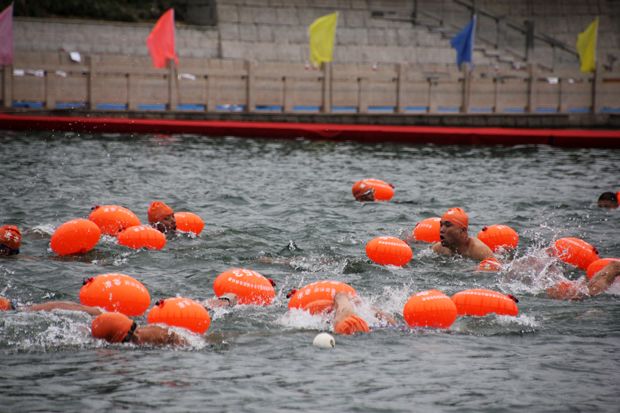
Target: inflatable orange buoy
[[189, 222], [116, 292], [598, 265], [142, 236], [427, 230], [575, 251], [499, 236], [430, 308], [249, 286], [489, 264], [112, 219], [480, 302], [389, 251], [382, 190], [75, 237], [180, 312], [318, 297]]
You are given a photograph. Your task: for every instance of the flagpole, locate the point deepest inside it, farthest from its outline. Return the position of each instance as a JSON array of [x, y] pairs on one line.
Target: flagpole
[[173, 83], [597, 79]]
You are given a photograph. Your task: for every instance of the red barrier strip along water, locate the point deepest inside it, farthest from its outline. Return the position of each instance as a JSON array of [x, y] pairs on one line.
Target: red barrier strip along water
[[337, 132]]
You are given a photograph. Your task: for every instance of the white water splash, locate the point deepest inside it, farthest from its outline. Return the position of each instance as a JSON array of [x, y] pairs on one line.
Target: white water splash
[[299, 319]]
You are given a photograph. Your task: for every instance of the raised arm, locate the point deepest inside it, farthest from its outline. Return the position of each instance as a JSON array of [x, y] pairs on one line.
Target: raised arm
[[603, 279], [63, 305]]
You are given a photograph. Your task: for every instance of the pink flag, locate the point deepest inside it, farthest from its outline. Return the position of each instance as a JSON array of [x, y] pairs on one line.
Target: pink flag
[[161, 40], [6, 36]]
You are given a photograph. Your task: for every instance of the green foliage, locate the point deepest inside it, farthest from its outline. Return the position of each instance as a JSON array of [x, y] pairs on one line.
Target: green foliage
[[115, 10]]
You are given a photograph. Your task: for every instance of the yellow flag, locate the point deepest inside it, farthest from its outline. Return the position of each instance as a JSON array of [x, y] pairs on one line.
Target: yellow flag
[[322, 34], [586, 46]]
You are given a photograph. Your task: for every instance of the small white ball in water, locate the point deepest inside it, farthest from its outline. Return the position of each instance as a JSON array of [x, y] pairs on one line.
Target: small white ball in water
[[324, 340]]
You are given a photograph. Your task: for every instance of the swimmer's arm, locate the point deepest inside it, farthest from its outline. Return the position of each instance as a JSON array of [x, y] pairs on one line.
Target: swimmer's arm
[[64, 305], [570, 290], [225, 300], [604, 278], [156, 335], [384, 316]]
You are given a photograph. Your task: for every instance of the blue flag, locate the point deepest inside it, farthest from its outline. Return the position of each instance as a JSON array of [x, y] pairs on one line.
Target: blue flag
[[463, 42]]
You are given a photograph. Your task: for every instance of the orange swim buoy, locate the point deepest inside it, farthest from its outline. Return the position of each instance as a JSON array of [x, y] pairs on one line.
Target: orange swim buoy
[[480, 302], [430, 308], [189, 222], [180, 312], [389, 251], [249, 286], [489, 265], [499, 236], [575, 251], [75, 237], [112, 219], [142, 236], [427, 230], [383, 191], [596, 266], [318, 297], [116, 292]]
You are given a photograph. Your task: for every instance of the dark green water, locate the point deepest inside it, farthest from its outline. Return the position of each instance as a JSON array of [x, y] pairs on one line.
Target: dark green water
[[290, 201]]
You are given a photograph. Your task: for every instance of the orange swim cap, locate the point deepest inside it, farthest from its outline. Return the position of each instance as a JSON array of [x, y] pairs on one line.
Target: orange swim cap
[[158, 211], [456, 216], [6, 304], [112, 327], [10, 236], [351, 325]]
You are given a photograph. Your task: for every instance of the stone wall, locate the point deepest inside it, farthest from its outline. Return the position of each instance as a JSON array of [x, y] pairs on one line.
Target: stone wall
[[561, 19], [369, 31], [92, 37], [277, 30]]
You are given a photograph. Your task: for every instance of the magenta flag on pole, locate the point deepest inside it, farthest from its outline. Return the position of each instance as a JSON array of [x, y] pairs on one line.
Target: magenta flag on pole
[[6, 36], [161, 40]]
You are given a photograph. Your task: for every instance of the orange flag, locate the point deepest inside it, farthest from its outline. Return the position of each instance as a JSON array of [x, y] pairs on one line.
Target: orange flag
[[161, 40]]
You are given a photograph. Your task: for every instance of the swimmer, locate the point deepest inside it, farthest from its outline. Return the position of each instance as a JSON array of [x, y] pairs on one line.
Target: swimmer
[[7, 305], [455, 240], [223, 301], [118, 328], [161, 217], [364, 194], [10, 240], [608, 200], [347, 322], [580, 289]]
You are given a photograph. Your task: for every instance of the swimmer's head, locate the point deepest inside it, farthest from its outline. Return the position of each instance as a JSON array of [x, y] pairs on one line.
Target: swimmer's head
[[113, 327], [457, 217], [453, 227], [161, 217], [608, 200], [364, 194], [6, 304], [10, 240]]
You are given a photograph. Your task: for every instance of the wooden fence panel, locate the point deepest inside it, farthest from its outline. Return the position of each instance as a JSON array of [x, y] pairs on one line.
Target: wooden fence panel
[[211, 84], [512, 93], [547, 94], [482, 98], [608, 93]]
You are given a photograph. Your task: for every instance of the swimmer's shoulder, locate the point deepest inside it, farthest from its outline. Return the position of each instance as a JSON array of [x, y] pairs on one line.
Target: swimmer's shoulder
[[440, 249]]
